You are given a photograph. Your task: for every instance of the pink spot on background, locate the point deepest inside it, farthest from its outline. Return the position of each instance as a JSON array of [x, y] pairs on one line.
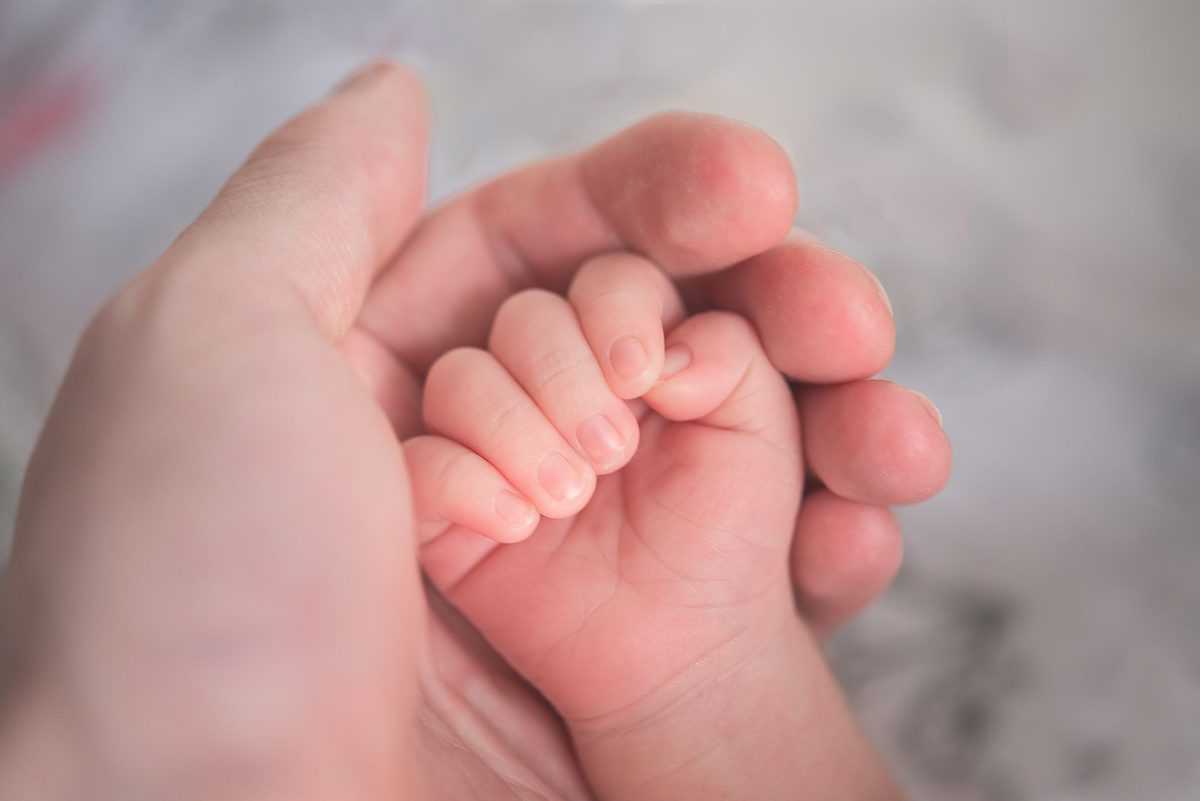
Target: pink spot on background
[[41, 113]]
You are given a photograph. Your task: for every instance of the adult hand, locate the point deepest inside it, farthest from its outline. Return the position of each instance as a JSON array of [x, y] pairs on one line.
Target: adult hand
[[213, 590]]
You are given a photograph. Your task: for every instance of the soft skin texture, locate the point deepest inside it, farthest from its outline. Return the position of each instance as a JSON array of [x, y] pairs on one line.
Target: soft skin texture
[[667, 576], [214, 589]]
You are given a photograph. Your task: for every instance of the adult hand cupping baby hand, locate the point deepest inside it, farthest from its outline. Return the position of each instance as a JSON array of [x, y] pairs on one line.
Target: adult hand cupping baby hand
[[214, 589]]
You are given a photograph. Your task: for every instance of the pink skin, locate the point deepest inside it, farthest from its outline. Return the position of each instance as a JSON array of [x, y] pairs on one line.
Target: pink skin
[[666, 575], [215, 592]]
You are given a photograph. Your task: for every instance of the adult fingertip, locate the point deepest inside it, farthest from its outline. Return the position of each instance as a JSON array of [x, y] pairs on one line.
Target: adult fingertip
[[930, 407], [845, 555], [715, 191], [855, 322], [920, 448], [883, 293], [843, 547], [875, 442], [741, 180], [821, 315], [364, 75]]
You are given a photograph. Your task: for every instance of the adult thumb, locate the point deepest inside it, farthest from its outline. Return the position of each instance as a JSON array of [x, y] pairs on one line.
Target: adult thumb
[[318, 208]]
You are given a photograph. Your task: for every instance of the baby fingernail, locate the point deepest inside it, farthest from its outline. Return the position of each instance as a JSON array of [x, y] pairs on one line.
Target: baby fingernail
[[559, 478], [675, 360], [514, 510], [628, 357], [601, 440]]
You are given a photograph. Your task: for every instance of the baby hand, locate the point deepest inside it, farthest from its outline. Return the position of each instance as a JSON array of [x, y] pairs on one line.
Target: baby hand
[[651, 536]]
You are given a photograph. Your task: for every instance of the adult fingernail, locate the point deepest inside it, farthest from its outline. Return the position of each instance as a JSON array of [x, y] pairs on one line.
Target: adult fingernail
[[560, 480], [363, 75], [628, 357], [514, 510], [600, 438], [933, 410], [798, 234], [675, 360], [882, 293]]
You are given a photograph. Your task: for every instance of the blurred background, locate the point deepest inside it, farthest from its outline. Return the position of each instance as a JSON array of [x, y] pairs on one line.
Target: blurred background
[[1024, 176]]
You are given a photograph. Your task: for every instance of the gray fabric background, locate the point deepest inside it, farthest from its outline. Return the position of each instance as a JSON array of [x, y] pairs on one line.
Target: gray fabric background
[[1024, 176]]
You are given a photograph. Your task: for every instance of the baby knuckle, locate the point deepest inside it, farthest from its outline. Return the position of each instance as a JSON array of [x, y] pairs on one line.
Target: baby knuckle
[[556, 365], [504, 419], [516, 310], [454, 366], [454, 473], [731, 325], [600, 268], [525, 301]]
